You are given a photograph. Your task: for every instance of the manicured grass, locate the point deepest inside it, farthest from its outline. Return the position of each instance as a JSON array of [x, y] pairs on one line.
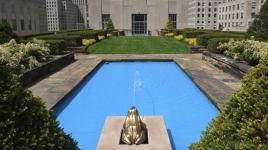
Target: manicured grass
[[139, 45]]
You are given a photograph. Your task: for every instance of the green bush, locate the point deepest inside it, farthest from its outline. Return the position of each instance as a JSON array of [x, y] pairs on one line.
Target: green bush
[[192, 34], [110, 25], [6, 33], [203, 39], [56, 47], [169, 26], [25, 122], [259, 27], [214, 43], [243, 125]]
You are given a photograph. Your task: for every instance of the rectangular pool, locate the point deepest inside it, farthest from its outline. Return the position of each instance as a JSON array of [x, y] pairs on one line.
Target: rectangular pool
[[155, 88]]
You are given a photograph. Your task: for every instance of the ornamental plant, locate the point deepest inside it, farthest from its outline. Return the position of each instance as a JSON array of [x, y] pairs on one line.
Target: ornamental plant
[[25, 122], [24, 56], [179, 37], [169, 26], [101, 37], [243, 125], [110, 25], [248, 50], [191, 41]]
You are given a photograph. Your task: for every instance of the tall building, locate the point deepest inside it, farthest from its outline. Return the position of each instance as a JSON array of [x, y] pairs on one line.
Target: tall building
[[137, 17], [202, 14], [83, 17], [237, 15], [25, 17], [61, 15]]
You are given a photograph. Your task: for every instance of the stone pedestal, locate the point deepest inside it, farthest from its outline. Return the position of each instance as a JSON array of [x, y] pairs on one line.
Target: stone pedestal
[[157, 135]]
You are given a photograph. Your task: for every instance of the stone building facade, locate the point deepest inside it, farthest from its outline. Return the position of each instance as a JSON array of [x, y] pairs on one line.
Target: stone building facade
[[24, 16], [202, 14], [137, 17], [62, 15], [83, 17], [237, 15]]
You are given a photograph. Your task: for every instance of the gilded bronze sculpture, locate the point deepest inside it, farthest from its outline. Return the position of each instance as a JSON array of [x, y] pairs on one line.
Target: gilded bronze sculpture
[[134, 130]]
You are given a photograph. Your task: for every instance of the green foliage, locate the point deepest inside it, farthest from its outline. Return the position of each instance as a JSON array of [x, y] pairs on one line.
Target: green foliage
[[214, 43], [110, 25], [24, 56], [243, 125], [6, 33], [192, 34], [203, 39], [259, 27], [248, 50], [25, 122], [57, 47], [169, 26]]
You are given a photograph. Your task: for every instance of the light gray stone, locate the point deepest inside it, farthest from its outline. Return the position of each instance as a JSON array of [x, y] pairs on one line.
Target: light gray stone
[[158, 138]]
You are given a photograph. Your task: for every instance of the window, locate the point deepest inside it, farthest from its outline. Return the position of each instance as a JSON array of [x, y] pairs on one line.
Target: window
[[22, 25], [173, 19], [30, 25], [104, 20], [14, 24]]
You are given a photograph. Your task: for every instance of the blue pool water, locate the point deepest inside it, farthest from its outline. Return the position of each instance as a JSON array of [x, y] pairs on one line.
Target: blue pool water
[[155, 88]]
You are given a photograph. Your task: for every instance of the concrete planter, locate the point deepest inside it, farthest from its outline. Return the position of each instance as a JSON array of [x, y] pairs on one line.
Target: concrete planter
[[30, 76], [237, 68]]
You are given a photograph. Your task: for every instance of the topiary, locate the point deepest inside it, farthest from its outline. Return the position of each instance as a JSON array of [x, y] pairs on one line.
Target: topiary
[[244, 122], [6, 33], [25, 123], [259, 27], [110, 25], [169, 26]]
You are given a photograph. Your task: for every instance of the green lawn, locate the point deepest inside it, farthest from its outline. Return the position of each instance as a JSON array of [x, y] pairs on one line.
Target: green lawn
[[139, 45]]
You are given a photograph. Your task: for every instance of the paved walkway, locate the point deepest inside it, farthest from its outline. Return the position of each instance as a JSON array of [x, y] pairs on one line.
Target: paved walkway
[[217, 84]]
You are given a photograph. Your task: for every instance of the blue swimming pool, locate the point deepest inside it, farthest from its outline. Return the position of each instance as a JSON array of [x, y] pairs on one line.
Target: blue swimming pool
[[155, 88]]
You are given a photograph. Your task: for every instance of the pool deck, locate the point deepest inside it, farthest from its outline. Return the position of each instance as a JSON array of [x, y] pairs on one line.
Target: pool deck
[[216, 84]]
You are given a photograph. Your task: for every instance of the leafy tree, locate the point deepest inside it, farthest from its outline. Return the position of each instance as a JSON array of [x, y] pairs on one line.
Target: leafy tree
[[169, 26], [259, 28], [243, 125], [6, 33], [110, 25], [25, 123]]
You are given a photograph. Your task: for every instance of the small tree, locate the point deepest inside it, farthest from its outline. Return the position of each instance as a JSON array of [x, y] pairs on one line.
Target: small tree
[[244, 122], [259, 28], [25, 122], [110, 25], [169, 26], [6, 33]]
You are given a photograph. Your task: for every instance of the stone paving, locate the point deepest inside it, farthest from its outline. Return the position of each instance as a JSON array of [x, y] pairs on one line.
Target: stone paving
[[216, 84]]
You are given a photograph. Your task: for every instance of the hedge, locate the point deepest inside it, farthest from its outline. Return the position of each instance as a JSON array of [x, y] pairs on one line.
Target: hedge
[[203, 39], [244, 122], [214, 43], [25, 122], [192, 34]]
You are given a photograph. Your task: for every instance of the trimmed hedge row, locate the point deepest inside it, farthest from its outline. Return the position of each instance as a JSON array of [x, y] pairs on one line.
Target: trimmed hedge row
[[203, 39], [214, 43]]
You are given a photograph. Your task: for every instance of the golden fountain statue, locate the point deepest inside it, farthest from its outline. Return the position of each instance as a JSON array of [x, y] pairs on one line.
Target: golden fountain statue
[[134, 130]]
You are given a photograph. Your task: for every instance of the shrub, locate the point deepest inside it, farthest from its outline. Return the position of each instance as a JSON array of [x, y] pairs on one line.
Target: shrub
[[193, 34], [248, 50], [110, 25], [213, 44], [56, 47], [178, 37], [259, 27], [24, 56], [244, 122], [203, 39], [101, 37], [25, 123], [169, 34], [88, 42], [169, 26], [6, 33], [191, 41]]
